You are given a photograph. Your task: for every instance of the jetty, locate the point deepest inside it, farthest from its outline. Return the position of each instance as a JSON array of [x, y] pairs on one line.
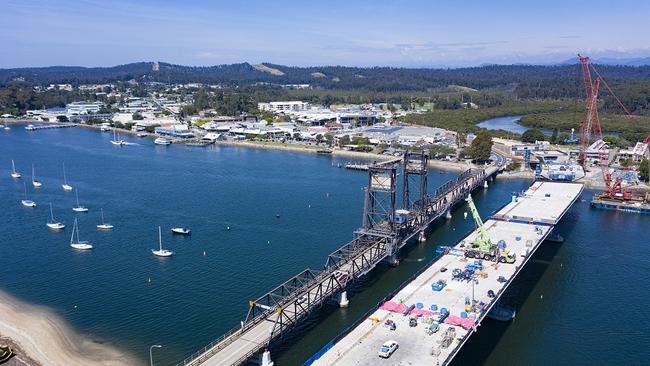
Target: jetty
[[31, 127], [386, 229]]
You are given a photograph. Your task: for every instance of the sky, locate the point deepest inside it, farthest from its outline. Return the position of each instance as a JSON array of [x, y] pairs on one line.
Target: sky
[[427, 33]]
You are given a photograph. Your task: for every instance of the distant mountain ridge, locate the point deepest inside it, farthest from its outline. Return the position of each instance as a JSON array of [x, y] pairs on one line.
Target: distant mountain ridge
[[326, 77]]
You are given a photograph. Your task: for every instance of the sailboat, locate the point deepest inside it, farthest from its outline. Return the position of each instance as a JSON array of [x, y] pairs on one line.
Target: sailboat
[[115, 141], [35, 183], [14, 173], [81, 245], [79, 207], [104, 225], [65, 185], [26, 202], [161, 252], [54, 225]]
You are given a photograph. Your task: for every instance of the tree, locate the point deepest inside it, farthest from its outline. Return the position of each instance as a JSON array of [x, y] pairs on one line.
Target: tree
[[62, 119], [361, 141], [554, 136], [563, 138], [533, 135], [643, 170], [319, 138], [296, 136], [137, 116], [329, 138], [344, 140], [481, 147]]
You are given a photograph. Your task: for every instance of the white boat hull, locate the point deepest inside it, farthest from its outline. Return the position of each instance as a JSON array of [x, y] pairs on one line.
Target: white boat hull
[[37, 184], [181, 231], [104, 226], [67, 187], [162, 253], [80, 209], [28, 203], [56, 225], [16, 175], [81, 246], [117, 143]]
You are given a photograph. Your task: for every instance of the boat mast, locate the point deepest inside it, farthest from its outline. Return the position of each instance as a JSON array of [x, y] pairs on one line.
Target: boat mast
[[160, 238], [102, 210], [65, 181], [76, 192], [13, 166], [51, 213], [25, 186], [33, 174], [73, 231]]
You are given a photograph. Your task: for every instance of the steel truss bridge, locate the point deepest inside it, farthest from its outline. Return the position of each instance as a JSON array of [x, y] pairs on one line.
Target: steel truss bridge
[[386, 229]]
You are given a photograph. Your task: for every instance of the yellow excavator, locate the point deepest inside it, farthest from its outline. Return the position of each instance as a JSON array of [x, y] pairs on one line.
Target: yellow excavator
[[482, 247]]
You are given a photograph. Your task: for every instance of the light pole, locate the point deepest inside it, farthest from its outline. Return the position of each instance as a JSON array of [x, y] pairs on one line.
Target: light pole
[[150, 355]]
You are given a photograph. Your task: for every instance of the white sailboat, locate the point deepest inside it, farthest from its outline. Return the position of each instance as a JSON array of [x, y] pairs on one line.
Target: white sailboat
[[161, 252], [65, 185], [81, 245], [53, 224], [104, 225], [115, 141], [14, 173], [26, 202], [79, 207], [35, 183]]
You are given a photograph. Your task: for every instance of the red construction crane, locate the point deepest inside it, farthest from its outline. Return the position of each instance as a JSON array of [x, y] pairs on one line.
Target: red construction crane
[[591, 128]]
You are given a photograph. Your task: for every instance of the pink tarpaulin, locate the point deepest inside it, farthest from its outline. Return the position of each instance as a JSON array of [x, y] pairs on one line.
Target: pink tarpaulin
[[458, 321], [391, 306], [421, 312]]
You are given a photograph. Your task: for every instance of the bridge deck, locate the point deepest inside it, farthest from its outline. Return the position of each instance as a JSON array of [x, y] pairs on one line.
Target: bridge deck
[[360, 346], [355, 259]]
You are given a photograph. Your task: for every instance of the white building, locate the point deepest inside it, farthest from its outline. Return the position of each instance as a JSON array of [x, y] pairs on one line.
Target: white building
[[76, 108], [283, 106], [636, 154]]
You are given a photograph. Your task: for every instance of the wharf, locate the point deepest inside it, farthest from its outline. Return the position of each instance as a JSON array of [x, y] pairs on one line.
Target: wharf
[[49, 126], [523, 224]]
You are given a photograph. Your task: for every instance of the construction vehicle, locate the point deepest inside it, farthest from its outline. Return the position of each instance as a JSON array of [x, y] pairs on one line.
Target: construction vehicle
[[482, 247]]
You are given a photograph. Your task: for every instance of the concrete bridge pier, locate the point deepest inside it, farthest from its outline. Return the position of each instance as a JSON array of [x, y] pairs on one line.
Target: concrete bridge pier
[[343, 299], [266, 359], [393, 261], [448, 215]]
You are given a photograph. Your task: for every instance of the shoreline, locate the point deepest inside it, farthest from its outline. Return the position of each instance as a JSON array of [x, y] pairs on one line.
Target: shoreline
[[45, 339]]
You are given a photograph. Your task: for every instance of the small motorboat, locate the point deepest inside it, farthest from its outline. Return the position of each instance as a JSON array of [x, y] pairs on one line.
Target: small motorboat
[[161, 252], [162, 141], [143, 134], [181, 230]]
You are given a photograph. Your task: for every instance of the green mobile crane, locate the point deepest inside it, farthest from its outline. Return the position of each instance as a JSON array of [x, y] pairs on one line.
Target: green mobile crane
[[482, 247]]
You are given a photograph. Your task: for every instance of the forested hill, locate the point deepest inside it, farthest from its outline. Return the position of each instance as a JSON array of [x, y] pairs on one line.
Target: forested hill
[[562, 80]]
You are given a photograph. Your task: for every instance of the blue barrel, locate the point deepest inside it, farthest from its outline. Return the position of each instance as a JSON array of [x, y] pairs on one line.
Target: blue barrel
[[463, 314], [434, 307], [419, 305]]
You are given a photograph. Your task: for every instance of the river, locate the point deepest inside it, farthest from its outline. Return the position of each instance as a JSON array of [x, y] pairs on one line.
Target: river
[[592, 285]]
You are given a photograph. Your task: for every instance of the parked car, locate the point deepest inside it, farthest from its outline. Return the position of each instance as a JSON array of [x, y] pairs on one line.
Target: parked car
[[388, 348]]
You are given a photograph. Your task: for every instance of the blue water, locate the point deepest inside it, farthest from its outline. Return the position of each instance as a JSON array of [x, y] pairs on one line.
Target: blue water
[[583, 299], [507, 123]]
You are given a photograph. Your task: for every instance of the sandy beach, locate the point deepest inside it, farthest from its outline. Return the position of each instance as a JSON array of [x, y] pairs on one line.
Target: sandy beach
[[43, 339]]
